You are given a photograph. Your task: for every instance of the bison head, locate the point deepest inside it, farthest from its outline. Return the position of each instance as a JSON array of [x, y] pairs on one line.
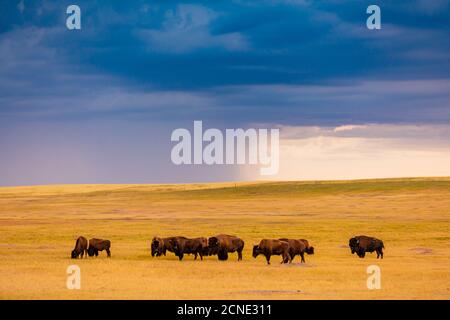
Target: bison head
[[310, 250], [256, 251], [213, 246], [353, 243], [222, 255], [155, 247], [91, 251], [74, 254]]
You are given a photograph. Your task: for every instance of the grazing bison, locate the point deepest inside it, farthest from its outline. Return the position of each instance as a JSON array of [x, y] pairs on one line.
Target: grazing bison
[[309, 249], [81, 247], [362, 244], [222, 244], [270, 247], [182, 246], [296, 247], [160, 246], [96, 245]]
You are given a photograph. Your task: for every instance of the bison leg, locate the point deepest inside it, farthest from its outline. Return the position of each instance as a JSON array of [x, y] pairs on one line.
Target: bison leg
[[180, 256], [108, 253], [302, 255], [292, 255], [268, 258], [380, 253], [287, 258], [239, 255]]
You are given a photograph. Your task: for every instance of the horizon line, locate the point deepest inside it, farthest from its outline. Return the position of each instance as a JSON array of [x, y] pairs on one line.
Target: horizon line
[[413, 178]]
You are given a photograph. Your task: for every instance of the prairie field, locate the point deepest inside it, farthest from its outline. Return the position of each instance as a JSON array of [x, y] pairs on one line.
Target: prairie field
[[39, 225]]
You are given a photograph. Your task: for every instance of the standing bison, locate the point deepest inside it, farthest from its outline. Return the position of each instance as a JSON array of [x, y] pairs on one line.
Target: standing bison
[[96, 245], [270, 247], [182, 246], [81, 247], [296, 247], [160, 246], [222, 244], [362, 244]]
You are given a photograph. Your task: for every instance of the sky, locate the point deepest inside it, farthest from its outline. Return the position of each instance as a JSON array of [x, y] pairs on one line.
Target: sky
[[98, 105]]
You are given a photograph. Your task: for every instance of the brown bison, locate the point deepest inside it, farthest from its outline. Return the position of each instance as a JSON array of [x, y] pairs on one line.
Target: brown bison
[[222, 244], [160, 246], [182, 246], [270, 247], [309, 249], [362, 244], [296, 247], [81, 247], [96, 245]]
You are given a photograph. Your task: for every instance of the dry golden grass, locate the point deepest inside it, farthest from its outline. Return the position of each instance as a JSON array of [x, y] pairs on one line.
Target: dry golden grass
[[39, 225]]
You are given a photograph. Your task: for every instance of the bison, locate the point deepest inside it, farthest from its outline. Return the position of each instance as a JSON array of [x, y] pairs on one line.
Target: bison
[[196, 246], [296, 247], [160, 246], [270, 247], [362, 244], [81, 247], [223, 244], [96, 245]]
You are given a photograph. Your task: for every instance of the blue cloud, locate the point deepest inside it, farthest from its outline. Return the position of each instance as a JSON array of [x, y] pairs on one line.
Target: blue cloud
[[147, 48]]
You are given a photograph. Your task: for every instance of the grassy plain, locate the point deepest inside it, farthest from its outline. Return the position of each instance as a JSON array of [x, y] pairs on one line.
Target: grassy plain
[[39, 225]]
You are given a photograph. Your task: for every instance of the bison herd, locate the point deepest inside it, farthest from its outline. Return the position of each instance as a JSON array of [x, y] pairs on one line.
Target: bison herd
[[223, 244], [219, 245]]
